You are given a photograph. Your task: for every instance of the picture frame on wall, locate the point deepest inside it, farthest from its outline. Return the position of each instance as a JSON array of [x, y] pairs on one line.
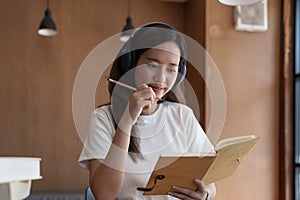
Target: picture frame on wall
[[252, 17]]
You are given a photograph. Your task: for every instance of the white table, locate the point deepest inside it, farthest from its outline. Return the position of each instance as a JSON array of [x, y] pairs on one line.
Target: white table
[[16, 174]]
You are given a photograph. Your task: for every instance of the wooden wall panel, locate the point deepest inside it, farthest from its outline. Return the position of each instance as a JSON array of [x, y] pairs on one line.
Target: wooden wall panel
[[249, 64], [37, 75]]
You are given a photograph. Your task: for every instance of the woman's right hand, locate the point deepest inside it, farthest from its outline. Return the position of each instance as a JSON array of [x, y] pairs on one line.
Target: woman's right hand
[[142, 100]]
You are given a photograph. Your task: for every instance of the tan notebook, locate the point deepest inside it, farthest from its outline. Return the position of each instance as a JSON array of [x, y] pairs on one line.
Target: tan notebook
[[182, 170]]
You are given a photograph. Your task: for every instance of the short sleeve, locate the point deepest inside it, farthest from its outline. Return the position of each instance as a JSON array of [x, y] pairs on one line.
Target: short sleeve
[[99, 137], [197, 138]]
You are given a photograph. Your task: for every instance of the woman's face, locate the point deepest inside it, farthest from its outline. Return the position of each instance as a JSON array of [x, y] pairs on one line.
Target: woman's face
[[158, 68]]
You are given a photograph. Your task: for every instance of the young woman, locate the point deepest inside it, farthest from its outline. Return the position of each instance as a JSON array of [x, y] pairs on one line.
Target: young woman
[[127, 136]]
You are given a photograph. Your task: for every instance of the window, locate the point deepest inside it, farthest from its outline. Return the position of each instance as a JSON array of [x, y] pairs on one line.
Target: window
[[297, 100]]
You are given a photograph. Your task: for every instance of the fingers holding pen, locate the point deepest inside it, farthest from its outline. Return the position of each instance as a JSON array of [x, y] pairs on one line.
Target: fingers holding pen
[[144, 97], [140, 99]]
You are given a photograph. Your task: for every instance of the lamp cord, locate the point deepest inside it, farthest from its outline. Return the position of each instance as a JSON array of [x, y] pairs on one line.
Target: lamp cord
[[129, 3]]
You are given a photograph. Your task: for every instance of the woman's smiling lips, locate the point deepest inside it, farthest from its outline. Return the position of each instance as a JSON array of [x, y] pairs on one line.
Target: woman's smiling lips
[[157, 89]]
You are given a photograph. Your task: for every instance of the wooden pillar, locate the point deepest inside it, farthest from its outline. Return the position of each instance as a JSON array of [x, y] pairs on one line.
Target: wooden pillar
[[286, 137]]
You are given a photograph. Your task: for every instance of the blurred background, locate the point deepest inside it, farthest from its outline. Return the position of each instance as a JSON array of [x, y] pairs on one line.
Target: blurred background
[[38, 72]]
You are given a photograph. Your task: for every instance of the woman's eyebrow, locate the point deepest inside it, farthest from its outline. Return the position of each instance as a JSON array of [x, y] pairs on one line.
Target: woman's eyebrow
[[157, 60], [152, 59]]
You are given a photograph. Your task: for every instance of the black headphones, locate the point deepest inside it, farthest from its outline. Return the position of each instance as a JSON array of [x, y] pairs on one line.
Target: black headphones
[[128, 55]]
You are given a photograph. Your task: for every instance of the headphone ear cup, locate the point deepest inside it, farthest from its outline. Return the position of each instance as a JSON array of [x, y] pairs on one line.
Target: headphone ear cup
[[181, 73]]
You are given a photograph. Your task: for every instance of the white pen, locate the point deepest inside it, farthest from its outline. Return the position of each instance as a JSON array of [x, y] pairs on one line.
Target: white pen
[[121, 84], [126, 86]]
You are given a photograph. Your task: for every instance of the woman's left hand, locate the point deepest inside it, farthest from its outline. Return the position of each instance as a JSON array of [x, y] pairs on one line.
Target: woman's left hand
[[200, 193]]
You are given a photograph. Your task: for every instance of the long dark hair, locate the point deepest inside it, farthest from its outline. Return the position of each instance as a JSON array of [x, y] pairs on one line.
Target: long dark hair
[[146, 37]]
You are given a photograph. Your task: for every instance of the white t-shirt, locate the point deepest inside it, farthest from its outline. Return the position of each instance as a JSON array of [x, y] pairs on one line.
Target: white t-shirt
[[173, 128]]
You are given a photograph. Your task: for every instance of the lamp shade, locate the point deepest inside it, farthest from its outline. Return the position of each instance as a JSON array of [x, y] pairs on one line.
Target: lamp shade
[[47, 26], [127, 30], [238, 2]]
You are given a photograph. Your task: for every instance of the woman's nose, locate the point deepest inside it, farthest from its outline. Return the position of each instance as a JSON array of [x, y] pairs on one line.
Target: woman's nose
[[160, 74]]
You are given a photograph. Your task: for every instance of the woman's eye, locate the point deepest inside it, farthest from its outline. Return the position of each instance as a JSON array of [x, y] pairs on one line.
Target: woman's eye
[[171, 70], [152, 65]]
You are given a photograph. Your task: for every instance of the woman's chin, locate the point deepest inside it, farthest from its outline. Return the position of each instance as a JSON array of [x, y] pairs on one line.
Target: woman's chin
[[160, 95]]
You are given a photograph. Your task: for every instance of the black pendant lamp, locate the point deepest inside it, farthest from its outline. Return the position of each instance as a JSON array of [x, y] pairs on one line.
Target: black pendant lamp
[[47, 26], [128, 28]]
